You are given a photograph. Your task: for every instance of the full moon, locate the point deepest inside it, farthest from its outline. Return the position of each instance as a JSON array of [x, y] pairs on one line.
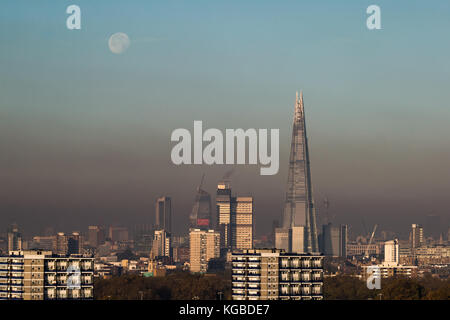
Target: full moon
[[118, 42]]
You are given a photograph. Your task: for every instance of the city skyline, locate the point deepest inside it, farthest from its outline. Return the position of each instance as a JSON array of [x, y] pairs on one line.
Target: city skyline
[[86, 131]]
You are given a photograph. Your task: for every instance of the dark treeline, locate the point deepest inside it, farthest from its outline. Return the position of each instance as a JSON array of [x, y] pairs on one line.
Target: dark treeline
[[186, 286], [174, 286], [350, 288]]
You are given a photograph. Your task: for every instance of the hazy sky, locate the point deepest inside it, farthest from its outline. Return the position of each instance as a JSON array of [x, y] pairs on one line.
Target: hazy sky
[[85, 133]]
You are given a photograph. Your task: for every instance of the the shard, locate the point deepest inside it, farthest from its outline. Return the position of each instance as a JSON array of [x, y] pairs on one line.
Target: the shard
[[299, 216]]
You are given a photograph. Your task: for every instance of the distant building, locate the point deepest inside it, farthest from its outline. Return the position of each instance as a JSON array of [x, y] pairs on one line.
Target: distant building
[[117, 234], [41, 275], [14, 238], [43, 243], [282, 239], [74, 243], [96, 236], [334, 240], [392, 252], [272, 274], [163, 210], [224, 208], [417, 238], [387, 270], [161, 244], [60, 244], [358, 249], [180, 254], [242, 223], [204, 245], [234, 219]]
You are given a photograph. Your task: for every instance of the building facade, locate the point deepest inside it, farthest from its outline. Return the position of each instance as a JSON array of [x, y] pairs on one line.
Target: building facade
[[42, 275], [204, 245], [162, 246], [299, 210], [334, 240], [272, 274], [163, 211]]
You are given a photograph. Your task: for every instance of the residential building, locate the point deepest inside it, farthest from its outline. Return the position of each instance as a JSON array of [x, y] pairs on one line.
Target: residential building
[[42, 275], [272, 274], [203, 245]]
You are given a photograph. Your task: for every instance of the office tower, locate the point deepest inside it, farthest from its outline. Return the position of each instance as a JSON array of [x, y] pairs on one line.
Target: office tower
[[334, 240], [118, 234], [200, 217], [282, 239], [272, 274], [162, 246], [96, 236], [74, 243], [242, 223], [43, 242], [14, 238], [203, 246], [41, 275], [224, 207], [60, 244], [163, 219], [391, 252], [299, 206], [417, 238]]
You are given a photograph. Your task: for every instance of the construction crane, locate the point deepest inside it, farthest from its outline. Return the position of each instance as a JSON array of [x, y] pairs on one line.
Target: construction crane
[[366, 254]]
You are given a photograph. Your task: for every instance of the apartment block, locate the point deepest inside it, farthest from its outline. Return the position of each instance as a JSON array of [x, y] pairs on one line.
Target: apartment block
[[42, 275], [273, 274]]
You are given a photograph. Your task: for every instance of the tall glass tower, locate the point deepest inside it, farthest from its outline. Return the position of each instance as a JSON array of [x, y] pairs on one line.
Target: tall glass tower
[[299, 216]]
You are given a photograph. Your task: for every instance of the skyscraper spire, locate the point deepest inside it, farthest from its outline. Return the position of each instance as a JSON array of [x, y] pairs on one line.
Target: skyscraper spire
[[299, 213]]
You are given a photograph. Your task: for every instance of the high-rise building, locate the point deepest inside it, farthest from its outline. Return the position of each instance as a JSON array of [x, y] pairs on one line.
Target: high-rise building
[[203, 246], [282, 239], [74, 243], [161, 244], [118, 233], [242, 223], [14, 238], [41, 275], [334, 240], [163, 219], [60, 245], [96, 236], [391, 252], [299, 210], [271, 274], [417, 238], [200, 217], [234, 218], [224, 207]]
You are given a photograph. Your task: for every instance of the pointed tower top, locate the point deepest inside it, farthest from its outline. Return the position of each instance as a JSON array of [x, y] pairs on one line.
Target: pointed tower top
[[298, 106]]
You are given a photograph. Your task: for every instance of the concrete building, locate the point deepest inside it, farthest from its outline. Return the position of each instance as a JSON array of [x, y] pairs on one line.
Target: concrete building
[[161, 244], [392, 252], [234, 219], [242, 223], [389, 270], [224, 207], [118, 234], [203, 246], [163, 211], [96, 236], [272, 274], [334, 240], [14, 238], [41, 275]]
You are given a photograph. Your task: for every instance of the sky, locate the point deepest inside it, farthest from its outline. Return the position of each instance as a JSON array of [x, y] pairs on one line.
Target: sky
[[85, 133]]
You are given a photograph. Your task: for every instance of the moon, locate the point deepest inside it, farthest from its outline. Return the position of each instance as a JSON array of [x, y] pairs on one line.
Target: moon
[[118, 42]]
